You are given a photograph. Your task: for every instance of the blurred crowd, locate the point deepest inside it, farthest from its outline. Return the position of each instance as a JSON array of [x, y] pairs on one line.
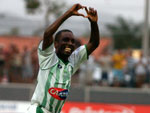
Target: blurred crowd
[[16, 66], [115, 69]]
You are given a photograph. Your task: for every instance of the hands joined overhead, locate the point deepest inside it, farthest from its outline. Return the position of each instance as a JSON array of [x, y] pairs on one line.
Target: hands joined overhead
[[91, 12]]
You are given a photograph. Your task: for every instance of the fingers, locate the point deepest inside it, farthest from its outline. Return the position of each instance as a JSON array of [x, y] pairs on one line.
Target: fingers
[[92, 11], [78, 6], [86, 10], [80, 15], [91, 14]]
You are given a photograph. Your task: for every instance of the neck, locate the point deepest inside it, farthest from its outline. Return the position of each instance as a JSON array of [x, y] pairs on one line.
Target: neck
[[64, 58]]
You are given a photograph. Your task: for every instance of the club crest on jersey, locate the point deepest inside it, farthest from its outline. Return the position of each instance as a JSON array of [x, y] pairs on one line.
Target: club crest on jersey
[[59, 66], [58, 93]]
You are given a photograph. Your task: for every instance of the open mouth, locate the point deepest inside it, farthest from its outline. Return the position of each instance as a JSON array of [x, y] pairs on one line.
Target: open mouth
[[67, 49]]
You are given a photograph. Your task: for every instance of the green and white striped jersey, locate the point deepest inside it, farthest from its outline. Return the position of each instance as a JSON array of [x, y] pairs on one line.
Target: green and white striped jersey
[[55, 73]]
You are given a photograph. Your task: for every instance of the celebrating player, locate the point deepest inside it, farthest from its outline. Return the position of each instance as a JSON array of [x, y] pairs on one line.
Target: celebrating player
[[59, 60]]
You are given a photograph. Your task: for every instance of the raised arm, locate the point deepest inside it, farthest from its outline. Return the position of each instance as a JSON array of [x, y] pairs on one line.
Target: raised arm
[[49, 32], [94, 38]]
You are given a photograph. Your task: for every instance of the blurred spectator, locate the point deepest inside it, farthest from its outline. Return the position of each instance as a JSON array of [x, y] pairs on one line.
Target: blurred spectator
[[141, 71], [15, 68], [97, 74], [143, 58], [105, 61], [148, 71], [27, 71], [2, 62], [118, 60], [35, 64], [129, 69], [86, 72]]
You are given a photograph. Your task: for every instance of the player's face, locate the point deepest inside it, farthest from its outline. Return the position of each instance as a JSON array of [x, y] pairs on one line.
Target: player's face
[[66, 44]]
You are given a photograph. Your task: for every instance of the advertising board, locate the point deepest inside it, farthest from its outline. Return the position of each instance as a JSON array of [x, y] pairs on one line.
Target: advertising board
[[78, 107]]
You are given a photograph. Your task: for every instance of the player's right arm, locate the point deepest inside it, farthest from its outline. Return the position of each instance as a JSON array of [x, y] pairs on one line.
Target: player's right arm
[[49, 32]]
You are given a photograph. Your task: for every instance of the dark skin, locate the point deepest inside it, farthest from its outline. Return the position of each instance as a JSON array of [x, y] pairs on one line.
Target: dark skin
[[66, 44]]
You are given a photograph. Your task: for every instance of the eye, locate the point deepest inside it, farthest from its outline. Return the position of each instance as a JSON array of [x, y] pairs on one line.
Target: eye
[[65, 39], [73, 41]]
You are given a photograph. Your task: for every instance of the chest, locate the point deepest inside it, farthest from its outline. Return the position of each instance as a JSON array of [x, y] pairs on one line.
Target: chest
[[61, 74]]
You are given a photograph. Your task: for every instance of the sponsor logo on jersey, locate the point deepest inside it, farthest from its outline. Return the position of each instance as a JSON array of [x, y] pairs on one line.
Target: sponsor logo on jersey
[[58, 93]]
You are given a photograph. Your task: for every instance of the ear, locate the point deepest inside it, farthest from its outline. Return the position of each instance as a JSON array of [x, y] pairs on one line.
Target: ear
[[56, 44]]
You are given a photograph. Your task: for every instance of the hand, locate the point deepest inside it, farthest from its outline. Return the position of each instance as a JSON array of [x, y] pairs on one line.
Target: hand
[[91, 14], [75, 8]]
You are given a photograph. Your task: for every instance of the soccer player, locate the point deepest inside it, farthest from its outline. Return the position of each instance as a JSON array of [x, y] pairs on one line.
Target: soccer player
[[59, 60]]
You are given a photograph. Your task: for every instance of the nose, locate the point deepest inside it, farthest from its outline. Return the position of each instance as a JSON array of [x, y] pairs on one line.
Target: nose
[[70, 42]]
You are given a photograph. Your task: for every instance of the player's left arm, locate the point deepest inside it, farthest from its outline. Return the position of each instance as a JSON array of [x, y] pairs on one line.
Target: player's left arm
[[95, 37]]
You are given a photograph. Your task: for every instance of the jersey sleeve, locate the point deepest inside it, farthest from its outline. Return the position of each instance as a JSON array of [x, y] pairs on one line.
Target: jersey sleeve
[[47, 58], [78, 57]]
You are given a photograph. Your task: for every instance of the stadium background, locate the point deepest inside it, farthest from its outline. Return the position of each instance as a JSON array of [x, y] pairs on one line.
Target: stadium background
[[92, 94]]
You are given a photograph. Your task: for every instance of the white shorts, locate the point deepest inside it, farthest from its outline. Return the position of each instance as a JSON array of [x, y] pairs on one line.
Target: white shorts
[[33, 109]]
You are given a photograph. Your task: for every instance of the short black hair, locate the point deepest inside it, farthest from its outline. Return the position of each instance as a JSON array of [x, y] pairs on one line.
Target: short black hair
[[59, 33]]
